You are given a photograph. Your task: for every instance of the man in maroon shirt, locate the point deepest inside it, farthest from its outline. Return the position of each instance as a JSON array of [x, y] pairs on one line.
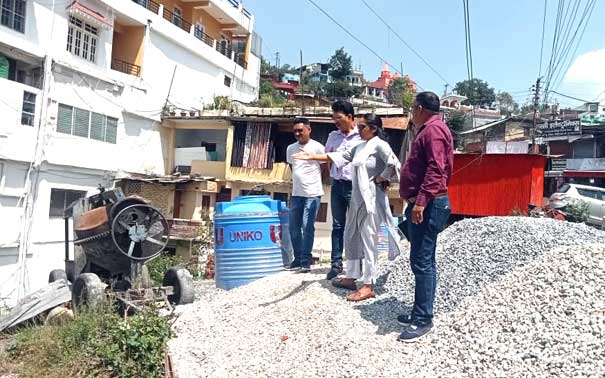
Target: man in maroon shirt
[[423, 184]]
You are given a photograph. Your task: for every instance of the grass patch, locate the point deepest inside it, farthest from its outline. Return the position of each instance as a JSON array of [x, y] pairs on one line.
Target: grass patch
[[96, 343]]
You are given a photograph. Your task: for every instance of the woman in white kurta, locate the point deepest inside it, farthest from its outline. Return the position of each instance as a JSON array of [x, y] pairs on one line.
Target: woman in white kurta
[[374, 166]]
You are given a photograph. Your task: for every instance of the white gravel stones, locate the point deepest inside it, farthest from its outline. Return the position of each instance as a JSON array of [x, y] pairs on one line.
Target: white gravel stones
[[545, 318], [474, 252]]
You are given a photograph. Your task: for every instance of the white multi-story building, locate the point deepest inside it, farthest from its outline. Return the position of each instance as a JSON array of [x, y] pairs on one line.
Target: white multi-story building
[[83, 85]]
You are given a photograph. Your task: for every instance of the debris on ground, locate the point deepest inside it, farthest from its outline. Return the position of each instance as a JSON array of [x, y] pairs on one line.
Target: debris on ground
[[517, 297], [36, 303]]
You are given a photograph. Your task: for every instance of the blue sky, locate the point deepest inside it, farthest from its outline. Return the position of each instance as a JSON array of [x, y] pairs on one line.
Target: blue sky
[[505, 40]]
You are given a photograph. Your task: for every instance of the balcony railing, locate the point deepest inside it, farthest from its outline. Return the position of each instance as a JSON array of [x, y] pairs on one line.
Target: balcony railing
[[199, 34], [149, 4], [125, 67], [223, 47], [178, 20]]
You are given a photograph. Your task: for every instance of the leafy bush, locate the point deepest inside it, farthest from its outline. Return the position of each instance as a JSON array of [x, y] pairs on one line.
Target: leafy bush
[[137, 346], [158, 266], [96, 343], [577, 211]]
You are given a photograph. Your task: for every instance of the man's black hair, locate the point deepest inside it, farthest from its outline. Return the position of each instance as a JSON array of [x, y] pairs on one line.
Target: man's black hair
[[428, 100], [304, 121], [344, 107]]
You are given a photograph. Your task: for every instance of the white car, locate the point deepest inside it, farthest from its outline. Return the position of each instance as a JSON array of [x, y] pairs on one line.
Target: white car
[[592, 195]]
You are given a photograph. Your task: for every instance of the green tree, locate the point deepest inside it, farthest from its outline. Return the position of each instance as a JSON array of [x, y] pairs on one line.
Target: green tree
[[268, 96], [508, 106], [265, 66], [340, 65], [401, 93], [477, 92], [455, 121], [341, 89]]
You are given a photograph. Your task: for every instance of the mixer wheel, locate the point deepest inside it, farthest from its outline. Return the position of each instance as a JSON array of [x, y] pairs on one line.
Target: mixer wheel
[[182, 282], [87, 291], [56, 275]]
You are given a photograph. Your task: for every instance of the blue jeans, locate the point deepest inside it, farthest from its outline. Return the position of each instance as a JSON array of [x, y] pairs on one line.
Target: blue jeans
[[303, 212], [423, 241], [340, 197]]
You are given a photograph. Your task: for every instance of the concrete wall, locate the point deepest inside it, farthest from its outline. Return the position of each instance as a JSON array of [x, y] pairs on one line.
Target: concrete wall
[[193, 138], [45, 251], [128, 43]]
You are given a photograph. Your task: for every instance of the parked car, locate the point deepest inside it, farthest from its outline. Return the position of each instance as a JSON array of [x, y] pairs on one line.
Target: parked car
[[594, 196]]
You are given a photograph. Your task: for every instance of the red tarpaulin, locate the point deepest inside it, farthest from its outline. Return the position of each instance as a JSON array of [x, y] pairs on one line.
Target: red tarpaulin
[[496, 184]]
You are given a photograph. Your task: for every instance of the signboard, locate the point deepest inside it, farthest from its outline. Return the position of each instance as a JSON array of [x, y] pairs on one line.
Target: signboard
[[558, 164], [559, 128]]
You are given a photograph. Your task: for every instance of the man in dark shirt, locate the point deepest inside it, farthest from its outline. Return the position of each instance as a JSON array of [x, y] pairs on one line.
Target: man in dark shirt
[[424, 180]]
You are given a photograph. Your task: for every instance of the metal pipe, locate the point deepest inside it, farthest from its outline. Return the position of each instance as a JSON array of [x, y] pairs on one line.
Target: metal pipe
[[66, 239]]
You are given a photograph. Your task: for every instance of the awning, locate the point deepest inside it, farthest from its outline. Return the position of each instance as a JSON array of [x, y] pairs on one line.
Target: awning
[[88, 15], [589, 174]]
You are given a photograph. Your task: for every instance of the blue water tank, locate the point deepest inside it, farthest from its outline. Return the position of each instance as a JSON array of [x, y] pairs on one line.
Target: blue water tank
[[247, 240]]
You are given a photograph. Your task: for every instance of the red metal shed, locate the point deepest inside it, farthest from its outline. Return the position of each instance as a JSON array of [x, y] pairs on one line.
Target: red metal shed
[[496, 184]]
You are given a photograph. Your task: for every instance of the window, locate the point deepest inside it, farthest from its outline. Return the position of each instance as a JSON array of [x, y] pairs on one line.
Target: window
[[28, 111], [322, 213], [199, 30], [227, 81], [86, 124], [13, 14], [205, 205], [82, 39], [589, 193], [177, 17], [61, 199], [280, 196], [224, 195]]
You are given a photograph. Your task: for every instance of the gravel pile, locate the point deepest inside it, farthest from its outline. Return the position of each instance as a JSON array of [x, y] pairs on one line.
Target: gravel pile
[[545, 318], [474, 252]]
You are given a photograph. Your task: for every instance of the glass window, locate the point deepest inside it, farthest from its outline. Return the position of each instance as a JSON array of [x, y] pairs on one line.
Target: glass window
[[111, 132], [82, 39], [13, 14], [65, 119], [86, 124], [61, 199], [589, 193], [28, 112]]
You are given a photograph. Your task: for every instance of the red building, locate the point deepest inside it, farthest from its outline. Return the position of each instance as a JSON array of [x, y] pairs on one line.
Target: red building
[[380, 87]]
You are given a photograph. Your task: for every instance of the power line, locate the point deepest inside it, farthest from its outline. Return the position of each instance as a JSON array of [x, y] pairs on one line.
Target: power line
[[559, 80], [406, 44], [469, 52], [542, 43], [571, 97], [355, 37], [567, 43], [563, 40]]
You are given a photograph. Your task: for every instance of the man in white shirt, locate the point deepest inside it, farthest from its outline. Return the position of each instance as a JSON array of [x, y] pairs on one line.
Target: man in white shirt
[[307, 190]]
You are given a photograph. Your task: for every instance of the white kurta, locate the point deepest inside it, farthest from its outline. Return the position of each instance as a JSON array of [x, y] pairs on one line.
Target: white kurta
[[369, 207]]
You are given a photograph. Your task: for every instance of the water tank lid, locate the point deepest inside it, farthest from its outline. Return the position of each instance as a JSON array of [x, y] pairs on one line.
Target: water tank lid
[[244, 209]]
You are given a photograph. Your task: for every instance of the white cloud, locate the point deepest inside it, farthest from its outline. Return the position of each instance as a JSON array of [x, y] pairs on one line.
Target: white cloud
[[586, 76]]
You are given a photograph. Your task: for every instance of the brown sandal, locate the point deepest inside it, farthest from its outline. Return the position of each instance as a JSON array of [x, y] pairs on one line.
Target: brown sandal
[[342, 283], [358, 296]]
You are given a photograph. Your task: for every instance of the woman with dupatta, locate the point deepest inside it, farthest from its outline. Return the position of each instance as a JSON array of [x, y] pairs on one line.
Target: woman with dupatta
[[374, 166]]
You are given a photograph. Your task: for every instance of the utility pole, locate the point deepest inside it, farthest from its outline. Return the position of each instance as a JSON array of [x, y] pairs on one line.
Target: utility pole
[[302, 89], [277, 61], [535, 118], [445, 90]]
